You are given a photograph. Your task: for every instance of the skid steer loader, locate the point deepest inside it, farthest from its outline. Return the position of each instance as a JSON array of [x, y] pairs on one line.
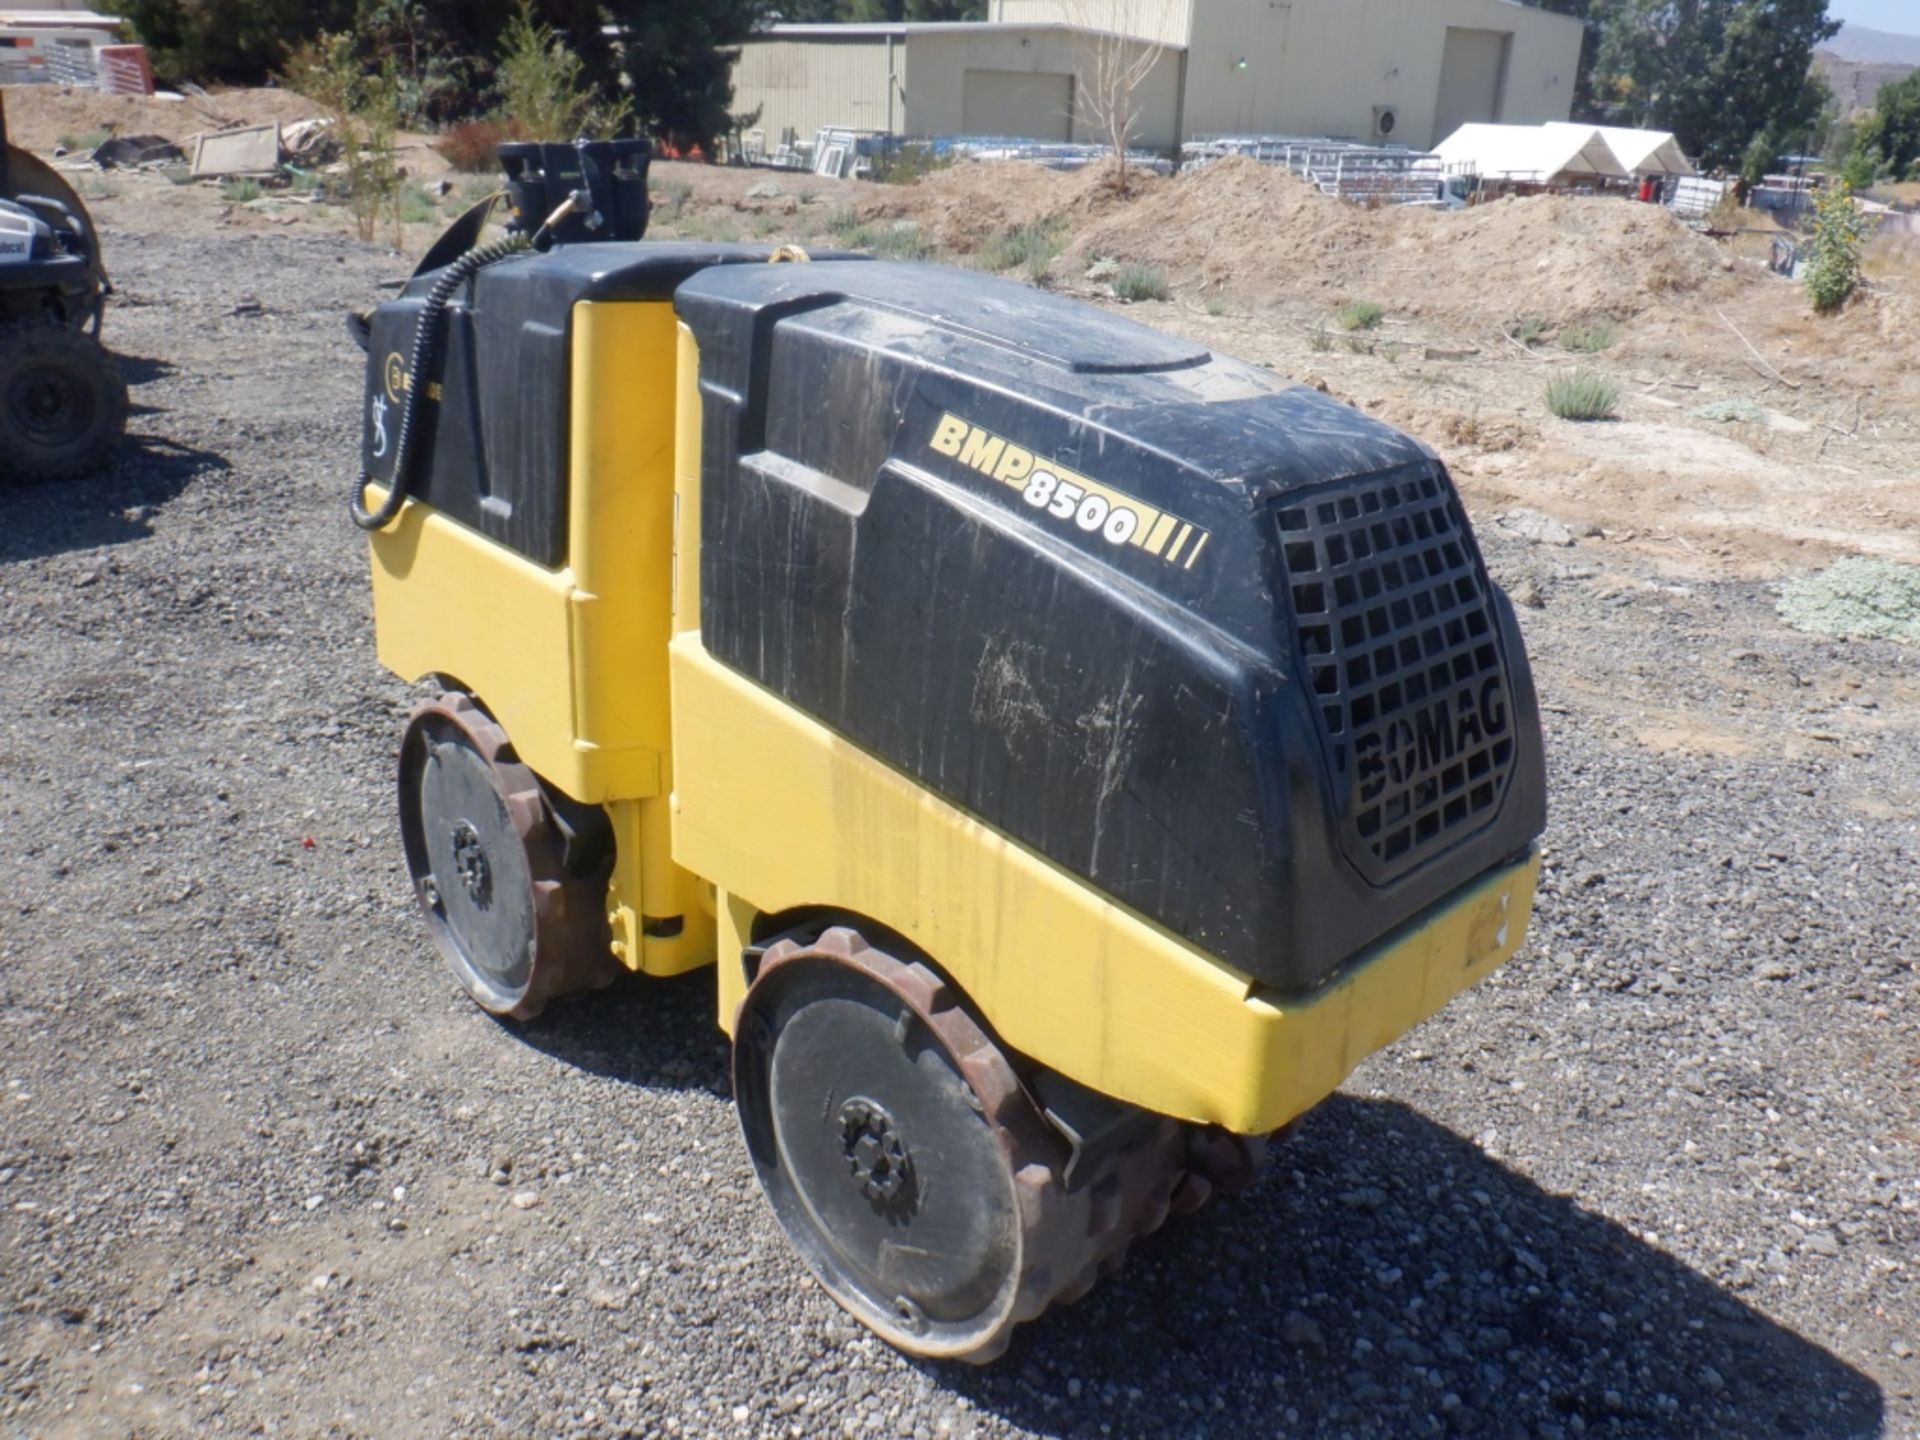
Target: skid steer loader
[[1073, 749], [63, 403]]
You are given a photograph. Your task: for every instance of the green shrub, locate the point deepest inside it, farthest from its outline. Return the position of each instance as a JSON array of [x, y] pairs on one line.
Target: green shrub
[[88, 140], [1582, 395], [544, 90], [1360, 315], [1743, 412], [902, 241], [1216, 306], [1588, 339], [1873, 599], [703, 227], [240, 192], [364, 106], [1141, 282], [417, 207], [1032, 248], [1320, 340], [673, 195], [846, 227], [1862, 168], [1530, 330], [1840, 234], [907, 164]]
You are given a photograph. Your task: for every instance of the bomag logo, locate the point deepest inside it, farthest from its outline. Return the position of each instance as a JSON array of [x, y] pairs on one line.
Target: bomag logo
[[1406, 749], [12, 247], [393, 375], [1069, 497]]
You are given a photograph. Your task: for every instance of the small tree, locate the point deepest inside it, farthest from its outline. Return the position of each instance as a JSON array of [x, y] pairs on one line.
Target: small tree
[[364, 106], [1894, 127], [1111, 69], [1840, 234], [1861, 169], [545, 93]]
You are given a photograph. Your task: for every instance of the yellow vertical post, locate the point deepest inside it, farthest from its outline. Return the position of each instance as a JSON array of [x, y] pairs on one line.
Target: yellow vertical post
[[620, 539]]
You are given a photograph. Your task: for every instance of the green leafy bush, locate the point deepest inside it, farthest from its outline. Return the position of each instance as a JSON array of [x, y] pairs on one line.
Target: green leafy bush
[[1588, 339], [240, 192], [544, 88], [1873, 599], [900, 242], [844, 224], [1360, 315], [1529, 330], [1582, 395], [1840, 234], [1032, 248], [1141, 282]]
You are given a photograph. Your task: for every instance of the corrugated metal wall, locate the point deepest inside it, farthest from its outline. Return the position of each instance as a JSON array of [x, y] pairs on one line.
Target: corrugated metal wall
[[800, 85], [1322, 67], [941, 62], [1167, 21]]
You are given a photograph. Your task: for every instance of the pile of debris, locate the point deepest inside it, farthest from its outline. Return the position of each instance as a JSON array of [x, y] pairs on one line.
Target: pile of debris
[[258, 151], [235, 152]]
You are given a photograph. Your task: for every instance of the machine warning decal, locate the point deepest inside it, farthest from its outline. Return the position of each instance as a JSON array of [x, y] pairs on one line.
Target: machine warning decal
[[1116, 517]]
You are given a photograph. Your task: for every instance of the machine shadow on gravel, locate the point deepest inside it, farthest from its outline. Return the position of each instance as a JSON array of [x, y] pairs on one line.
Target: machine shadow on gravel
[[108, 508], [1387, 1278], [657, 1033], [1291, 1310], [143, 370]]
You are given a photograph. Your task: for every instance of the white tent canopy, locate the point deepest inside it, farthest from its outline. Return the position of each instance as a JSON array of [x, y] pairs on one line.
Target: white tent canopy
[[1532, 154], [1642, 152]]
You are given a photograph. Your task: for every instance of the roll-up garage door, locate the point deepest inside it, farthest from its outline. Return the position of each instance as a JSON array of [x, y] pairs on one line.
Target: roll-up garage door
[[1018, 104]]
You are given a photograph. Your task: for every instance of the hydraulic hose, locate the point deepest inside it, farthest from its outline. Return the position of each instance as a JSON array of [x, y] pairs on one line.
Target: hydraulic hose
[[426, 350]]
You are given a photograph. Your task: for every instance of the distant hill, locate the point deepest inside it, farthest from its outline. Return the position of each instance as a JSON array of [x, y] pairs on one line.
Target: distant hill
[[1874, 47], [1855, 83]]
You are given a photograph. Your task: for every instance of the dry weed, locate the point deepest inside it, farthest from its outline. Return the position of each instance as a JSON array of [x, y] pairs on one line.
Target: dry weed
[[1893, 260]]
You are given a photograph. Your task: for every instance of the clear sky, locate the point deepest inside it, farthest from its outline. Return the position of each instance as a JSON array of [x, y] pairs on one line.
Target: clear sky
[[1902, 17]]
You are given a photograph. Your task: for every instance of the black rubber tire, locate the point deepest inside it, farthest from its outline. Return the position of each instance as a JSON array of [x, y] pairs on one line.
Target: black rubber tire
[[63, 403], [909, 1166], [489, 866]]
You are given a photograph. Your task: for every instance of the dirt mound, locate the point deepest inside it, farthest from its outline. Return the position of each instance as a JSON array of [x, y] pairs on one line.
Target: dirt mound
[[963, 207], [1261, 234], [41, 117]]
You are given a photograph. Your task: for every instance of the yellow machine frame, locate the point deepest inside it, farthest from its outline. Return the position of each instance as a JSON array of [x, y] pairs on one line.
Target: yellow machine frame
[[733, 810]]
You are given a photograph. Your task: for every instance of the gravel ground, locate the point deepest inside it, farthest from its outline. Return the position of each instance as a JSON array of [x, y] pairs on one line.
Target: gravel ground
[[263, 1170]]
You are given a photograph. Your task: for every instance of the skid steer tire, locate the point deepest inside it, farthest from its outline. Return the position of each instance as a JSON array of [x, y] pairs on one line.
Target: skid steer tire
[[63, 404]]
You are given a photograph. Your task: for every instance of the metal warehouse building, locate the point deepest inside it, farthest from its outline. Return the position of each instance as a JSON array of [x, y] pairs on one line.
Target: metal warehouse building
[[1410, 71], [938, 79]]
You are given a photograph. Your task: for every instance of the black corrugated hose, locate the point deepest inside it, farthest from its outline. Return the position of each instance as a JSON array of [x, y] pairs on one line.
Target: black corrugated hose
[[426, 348]]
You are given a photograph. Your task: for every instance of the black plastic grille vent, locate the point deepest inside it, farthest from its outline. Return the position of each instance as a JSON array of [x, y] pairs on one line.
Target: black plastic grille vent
[[1399, 647]]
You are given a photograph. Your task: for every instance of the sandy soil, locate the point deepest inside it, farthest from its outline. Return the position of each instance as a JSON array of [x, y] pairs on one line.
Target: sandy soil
[[1260, 266]]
